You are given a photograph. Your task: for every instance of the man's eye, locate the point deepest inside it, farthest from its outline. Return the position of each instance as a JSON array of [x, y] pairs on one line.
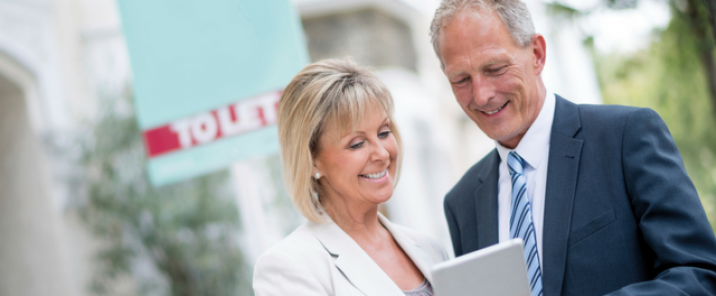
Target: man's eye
[[357, 145], [384, 134], [461, 81], [496, 70]]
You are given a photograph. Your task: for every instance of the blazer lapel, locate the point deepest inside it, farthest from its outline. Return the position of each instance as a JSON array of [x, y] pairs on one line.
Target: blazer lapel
[[486, 201], [416, 253], [354, 263], [564, 158]]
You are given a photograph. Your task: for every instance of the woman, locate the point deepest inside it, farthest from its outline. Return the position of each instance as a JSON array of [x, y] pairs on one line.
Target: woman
[[340, 150]]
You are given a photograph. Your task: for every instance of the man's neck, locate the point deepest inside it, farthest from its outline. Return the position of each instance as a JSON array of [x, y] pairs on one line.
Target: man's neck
[[541, 94]]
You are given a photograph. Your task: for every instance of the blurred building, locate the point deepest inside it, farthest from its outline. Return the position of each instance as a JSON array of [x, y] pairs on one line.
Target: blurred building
[[59, 57]]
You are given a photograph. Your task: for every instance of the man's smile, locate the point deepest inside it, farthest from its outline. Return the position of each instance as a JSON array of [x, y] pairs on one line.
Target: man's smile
[[496, 110]]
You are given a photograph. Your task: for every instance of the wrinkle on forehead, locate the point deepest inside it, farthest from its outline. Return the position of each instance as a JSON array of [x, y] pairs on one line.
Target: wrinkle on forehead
[[475, 62], [470, 44]]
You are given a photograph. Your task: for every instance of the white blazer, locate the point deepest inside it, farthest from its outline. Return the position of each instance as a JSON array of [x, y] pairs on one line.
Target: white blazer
[[321, 259]]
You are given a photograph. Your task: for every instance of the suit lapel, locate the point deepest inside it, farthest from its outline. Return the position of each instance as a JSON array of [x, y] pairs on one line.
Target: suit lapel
[[564, 158], [486, 201], [354, 263], [416, 252]]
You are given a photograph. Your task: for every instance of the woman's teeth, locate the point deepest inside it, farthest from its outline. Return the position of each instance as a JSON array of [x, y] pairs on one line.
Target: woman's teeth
[[376, 175]]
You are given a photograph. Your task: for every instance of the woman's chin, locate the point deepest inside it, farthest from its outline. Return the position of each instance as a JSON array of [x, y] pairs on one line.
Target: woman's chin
[[382, 196]]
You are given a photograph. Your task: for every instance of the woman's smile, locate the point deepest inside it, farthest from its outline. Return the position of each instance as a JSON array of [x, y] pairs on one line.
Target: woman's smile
[[379, 177]]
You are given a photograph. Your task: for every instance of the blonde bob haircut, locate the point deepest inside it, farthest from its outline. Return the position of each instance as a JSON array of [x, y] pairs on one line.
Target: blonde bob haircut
[[335, 92]]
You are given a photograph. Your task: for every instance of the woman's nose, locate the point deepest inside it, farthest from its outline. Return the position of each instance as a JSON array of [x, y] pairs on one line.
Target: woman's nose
[[379, 152]]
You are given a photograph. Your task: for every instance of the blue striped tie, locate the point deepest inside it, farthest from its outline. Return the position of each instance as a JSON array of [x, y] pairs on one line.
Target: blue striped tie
[[521, 221]]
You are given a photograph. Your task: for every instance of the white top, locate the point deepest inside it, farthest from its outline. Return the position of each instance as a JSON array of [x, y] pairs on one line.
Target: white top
[[534, 149], [320, 259]]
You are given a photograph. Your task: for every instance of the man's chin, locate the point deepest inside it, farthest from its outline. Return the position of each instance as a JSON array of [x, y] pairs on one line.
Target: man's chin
[[498, 136], [509, 140]]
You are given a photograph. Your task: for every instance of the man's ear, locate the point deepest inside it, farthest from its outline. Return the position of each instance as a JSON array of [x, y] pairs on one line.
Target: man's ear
[[539, 52]]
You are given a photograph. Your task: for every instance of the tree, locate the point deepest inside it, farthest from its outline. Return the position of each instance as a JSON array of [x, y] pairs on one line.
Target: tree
[[670, 77], [187, 231], [700, 22], [697, 19]]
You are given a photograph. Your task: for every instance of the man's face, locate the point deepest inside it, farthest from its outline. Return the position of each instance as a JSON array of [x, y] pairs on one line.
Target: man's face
[[495, 81]]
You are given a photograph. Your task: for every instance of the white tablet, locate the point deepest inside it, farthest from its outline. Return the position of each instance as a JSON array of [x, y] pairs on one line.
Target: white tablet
[[496, 270]]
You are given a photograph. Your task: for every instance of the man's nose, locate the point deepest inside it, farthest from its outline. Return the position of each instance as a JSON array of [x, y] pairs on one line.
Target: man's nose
[[482, 91]]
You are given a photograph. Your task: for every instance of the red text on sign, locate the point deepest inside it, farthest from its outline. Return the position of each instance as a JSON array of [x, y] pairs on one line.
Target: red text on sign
[[235, 119]]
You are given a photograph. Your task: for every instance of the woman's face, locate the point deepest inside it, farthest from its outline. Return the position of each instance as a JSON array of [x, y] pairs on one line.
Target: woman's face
[[358, 168]]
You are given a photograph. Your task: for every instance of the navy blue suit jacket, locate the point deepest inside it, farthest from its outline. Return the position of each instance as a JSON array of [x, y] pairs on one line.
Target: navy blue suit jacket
[[621, 215]]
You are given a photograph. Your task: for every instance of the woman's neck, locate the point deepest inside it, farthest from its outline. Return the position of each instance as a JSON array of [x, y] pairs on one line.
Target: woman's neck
[[360, 221]]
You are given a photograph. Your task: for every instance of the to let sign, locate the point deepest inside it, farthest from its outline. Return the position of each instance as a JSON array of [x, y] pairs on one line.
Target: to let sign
[[232, 120], [207, 76]]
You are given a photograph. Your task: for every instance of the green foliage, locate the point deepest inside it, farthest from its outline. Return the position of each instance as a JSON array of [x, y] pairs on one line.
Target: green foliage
[[669, 78], [188, 231], [621, 4], [560, 10]]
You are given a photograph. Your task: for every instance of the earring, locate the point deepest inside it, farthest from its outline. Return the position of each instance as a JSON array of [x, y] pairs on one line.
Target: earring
[[317, 176]]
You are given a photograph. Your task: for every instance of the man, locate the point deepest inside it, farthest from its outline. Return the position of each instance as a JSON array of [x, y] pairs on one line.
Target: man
[[599, 194]]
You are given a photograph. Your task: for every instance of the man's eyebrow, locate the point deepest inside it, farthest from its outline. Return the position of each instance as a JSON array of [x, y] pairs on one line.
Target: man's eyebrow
[[492, 62], [495, 61], [454, 73]]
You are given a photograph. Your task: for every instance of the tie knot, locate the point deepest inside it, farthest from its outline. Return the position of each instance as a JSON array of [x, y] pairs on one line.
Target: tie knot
[[515, 163]]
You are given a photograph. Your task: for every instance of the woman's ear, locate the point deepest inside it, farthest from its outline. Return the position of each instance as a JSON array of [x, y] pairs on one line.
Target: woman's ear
[[315, 173]]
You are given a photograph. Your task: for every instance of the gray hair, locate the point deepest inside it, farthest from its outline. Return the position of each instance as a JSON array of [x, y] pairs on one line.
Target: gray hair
[[514, 15]]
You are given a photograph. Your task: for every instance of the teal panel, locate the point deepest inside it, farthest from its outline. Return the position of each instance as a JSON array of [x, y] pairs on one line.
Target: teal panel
[[189, 56]]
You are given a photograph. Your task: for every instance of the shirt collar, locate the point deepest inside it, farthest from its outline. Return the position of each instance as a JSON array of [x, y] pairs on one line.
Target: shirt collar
[[536, 140]]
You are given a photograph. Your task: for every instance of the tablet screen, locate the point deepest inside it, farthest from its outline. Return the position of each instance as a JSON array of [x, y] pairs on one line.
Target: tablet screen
[[496, 270]]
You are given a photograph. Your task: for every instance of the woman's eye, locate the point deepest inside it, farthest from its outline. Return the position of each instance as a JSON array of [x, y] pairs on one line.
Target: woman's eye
[[357, 145], [384, 134]]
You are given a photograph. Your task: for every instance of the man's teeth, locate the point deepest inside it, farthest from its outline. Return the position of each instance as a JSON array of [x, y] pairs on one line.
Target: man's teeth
[[495, 111], [376, 175]]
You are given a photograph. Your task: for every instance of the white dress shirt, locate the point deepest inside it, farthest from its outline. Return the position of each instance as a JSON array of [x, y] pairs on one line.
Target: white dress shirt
[[534, 149]]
